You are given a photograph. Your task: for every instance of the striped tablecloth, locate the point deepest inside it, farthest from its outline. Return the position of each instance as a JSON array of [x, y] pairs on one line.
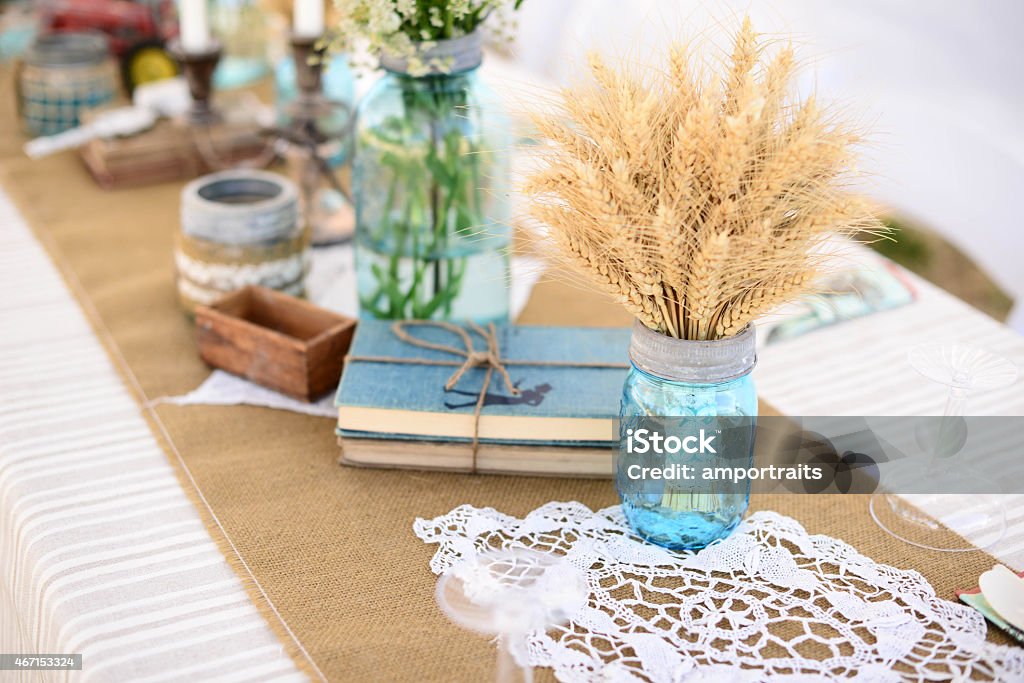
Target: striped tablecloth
[[101, 551], [865, 372]]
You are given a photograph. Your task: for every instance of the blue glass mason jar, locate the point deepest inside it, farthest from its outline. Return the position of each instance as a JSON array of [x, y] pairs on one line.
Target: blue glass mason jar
[[241, 26], [681, 387], [430, 180]]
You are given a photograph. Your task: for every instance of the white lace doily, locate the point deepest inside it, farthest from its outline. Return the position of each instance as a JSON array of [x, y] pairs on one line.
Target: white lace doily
[[769, 603]]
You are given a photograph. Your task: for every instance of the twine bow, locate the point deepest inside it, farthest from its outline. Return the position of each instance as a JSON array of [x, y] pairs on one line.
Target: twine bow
[[491, 359], [474, 359]]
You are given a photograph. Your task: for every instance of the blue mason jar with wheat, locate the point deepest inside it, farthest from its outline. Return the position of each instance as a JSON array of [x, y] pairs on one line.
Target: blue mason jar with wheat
[[683, 388], [701, 195], [430, 170]]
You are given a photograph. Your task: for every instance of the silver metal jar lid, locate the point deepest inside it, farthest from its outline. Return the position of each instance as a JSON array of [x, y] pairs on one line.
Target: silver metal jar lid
[[68, 49], [700, 362], [240, 207], [442, 57]]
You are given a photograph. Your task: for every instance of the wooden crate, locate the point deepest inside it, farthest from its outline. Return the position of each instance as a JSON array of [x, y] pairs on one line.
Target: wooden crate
[[276, 340], [164, 153]]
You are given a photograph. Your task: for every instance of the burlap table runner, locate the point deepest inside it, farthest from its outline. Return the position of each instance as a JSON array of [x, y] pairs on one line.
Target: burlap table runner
[[331, 547]]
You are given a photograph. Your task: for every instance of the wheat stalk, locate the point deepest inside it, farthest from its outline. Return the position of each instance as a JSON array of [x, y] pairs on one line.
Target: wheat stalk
[[698, 200]]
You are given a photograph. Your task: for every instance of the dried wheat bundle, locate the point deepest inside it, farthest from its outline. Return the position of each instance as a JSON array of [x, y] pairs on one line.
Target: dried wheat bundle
[[698, 200]]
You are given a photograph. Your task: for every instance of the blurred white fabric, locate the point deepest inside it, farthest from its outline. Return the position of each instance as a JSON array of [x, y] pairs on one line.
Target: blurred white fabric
[[938, 82]]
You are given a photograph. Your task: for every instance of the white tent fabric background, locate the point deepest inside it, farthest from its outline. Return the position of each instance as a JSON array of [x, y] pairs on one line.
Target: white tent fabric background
[[939, 82]]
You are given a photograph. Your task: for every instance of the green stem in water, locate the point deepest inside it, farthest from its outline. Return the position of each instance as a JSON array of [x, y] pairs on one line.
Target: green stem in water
[[434, 188]]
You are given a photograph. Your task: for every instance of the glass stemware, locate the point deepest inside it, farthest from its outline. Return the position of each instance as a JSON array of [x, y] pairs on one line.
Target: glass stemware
[[511, 594], [963, 370]]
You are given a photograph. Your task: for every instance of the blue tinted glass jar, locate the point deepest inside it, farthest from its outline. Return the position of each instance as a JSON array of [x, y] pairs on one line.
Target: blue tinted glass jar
[[686, 386], [430, 180], [241, 26]]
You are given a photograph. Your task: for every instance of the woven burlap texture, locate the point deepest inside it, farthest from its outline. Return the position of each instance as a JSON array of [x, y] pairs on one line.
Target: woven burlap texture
[[331, 547]]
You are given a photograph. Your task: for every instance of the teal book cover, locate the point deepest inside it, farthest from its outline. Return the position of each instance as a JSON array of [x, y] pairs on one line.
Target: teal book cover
[[391, 386]]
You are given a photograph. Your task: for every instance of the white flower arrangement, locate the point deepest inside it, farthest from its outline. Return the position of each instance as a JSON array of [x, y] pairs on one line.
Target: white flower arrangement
[[404, 28]]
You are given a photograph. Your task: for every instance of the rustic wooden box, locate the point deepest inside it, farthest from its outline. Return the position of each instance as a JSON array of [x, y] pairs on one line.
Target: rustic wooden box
[[165, 152], [275, 340]]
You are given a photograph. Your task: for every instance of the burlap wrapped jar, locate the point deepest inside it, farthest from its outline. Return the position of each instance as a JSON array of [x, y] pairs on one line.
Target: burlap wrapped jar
[[239, 228]]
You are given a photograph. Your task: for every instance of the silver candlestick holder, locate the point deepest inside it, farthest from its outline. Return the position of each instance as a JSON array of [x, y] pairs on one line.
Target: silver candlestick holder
[[319, 129], [308, 57]]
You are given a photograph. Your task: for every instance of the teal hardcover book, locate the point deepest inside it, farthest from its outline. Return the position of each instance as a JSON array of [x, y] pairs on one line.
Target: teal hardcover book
[[569, 381]]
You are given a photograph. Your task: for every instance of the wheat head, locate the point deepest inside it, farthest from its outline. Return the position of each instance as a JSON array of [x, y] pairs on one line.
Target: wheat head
[[699, 200]]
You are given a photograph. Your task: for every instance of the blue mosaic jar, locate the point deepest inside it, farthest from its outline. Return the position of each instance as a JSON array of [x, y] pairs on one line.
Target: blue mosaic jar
[[62, 75], [693, 387]]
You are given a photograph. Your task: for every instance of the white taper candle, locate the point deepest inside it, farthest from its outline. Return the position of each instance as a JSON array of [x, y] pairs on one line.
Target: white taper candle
[[194, 26], [308, 19]]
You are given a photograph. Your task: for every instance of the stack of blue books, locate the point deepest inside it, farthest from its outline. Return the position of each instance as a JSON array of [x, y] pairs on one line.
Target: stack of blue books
[[394, 409]]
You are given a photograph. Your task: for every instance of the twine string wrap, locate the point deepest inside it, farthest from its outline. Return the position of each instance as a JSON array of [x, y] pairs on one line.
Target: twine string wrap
[[490, 358], [474, 359]]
